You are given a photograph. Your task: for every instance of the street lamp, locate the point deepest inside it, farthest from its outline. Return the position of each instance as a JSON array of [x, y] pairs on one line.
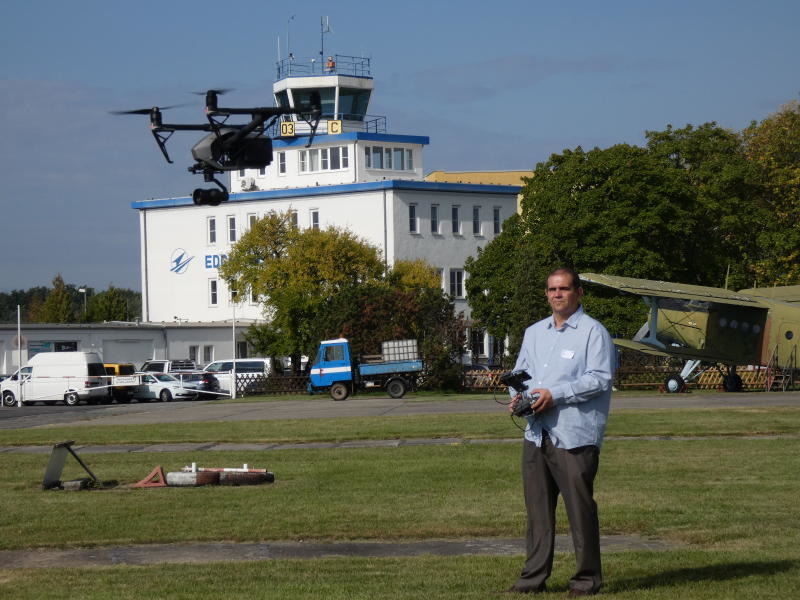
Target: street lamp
[[83, 291]]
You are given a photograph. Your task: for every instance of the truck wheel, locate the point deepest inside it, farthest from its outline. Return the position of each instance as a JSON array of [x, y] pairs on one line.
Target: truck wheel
[[8, 399], [72, 399], [339, 391], [396, 388]]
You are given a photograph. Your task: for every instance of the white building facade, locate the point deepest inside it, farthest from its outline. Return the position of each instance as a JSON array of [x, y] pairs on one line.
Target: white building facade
[[352, 175]]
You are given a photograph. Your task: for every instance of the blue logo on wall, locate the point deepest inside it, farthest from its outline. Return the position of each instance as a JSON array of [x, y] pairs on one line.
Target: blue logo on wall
[[180, 261]]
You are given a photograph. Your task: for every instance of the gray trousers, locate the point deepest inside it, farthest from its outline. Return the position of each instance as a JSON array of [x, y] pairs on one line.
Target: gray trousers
[[546, 472]]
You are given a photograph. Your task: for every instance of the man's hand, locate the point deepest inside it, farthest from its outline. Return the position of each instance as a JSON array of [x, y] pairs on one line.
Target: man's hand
[[513, 404], [545, 401]]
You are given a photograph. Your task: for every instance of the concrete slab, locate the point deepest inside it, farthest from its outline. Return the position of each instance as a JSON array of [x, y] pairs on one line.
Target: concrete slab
[[209, 552]]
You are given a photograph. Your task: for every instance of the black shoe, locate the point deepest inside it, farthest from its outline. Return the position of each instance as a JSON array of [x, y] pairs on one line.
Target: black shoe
[[575, 593]]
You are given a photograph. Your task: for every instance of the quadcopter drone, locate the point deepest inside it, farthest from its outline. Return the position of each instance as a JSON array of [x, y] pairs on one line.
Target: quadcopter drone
[[228, 146]]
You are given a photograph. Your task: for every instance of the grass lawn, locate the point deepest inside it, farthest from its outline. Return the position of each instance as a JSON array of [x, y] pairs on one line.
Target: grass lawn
[[728, 503]]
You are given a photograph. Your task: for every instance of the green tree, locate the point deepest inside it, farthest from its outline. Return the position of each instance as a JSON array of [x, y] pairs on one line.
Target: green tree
[[723, 243], [773, 147], [108, 305], [502, 289], [295, 273], [58, 307]]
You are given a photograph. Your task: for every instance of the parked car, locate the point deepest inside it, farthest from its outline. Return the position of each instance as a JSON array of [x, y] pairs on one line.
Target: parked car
[[206, 384], [71, 377], [164, 387], [122, 376], [244, 366], [169, 365]]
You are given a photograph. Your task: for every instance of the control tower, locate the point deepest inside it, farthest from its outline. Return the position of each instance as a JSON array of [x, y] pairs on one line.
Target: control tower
[[344, 84], [349, 146]]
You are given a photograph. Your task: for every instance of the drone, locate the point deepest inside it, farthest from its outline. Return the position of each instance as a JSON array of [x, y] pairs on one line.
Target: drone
[[228, 146]]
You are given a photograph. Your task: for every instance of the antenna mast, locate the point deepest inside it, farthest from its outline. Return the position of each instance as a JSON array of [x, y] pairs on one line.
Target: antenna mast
[[324, 27]]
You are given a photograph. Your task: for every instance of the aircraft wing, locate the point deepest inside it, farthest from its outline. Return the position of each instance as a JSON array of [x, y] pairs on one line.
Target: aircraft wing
[[681, 352], [787, 293], [665, 289]]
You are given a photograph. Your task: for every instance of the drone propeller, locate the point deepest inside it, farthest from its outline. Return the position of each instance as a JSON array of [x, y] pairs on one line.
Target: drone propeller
[[211, 97], [145, 111], [219, 92]]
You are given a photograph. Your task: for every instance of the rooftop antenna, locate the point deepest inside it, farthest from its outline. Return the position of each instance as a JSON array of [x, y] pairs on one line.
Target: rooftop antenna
[[324, 27], [288, 47]]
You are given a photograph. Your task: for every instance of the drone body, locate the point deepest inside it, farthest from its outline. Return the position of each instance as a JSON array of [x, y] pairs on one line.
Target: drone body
[[227, 146]]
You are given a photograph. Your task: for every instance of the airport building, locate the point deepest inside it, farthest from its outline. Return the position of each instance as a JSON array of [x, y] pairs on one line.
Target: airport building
[[351, 174]]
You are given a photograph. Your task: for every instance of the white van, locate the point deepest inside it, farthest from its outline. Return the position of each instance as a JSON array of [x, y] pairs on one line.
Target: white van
[[58, 376], [222, 369]]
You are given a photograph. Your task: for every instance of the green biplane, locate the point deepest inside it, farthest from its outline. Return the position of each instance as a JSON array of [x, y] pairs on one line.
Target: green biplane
[[757, 326]]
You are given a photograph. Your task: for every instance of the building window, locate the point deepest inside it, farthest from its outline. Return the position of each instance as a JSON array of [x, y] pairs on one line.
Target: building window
[[399, 159], [455, 217], [212, 230], [457, 283], [241, 172], [315, 219], [241, 350], [281, 163], [253, 296], [293, 218], [395, 159], [231, 228], [476, 220], [251, 220], [208, 354], [413, 225], [324, 159], [434, 218], [477, 344], [193, 353], [212, 292], [262, 171], [440, 275], [496, 220], [377, 157]]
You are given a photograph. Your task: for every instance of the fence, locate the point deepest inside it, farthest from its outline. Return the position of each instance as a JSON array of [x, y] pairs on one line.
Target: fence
[[256, 384]]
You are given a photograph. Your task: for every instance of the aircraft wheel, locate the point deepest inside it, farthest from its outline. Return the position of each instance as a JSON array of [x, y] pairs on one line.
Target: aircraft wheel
[[339, 391], [732, 383], [674, 384]]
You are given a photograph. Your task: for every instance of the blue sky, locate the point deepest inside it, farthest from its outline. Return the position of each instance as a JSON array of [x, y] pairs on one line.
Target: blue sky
[[496, 85]]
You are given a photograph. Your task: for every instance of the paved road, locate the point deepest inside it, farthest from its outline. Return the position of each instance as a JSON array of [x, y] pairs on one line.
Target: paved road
[[323, 407]]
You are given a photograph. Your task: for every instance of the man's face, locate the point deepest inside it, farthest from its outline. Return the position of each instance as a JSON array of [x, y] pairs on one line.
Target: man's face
[[563, 297]]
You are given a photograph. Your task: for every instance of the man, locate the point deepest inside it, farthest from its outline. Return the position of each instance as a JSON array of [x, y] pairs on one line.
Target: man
[[570, 358]]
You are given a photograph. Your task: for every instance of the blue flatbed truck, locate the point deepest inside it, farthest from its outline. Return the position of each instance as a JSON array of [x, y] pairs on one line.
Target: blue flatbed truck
[[335, 371]]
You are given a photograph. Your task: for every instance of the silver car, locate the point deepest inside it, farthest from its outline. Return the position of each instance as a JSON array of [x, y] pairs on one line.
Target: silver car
[[162, 386]]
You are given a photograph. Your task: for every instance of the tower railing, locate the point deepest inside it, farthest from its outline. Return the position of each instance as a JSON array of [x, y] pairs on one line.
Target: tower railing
[[306, 66]]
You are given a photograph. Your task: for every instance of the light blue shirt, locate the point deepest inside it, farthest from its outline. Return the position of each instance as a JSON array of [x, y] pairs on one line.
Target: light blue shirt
[[576, 363]]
